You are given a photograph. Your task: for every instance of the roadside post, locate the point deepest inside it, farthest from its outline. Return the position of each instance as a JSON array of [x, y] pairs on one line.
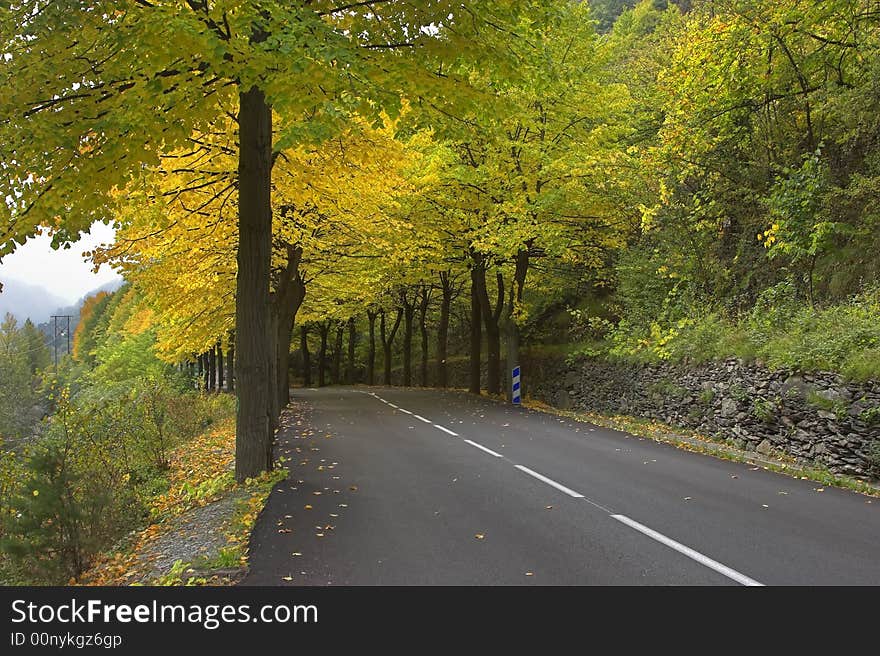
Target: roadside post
[[515, 396]]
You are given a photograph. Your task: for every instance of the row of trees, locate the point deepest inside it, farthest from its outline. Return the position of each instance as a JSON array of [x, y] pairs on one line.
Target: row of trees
[[382, 167]]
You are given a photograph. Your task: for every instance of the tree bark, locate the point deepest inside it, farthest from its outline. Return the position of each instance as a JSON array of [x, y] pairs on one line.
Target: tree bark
[[253, 435], [371, 352], [352, 339], [288, 297], [219, 367], [477, 274], [307, 360], [424, 302], [443, 328], [337, 353], [212, 370], [388, 340], [409, 309], [491, 317], [231, 360], [324, 330]]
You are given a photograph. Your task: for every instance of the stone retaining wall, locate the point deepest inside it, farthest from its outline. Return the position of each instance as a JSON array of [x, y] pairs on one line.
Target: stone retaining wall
[[815, 417]]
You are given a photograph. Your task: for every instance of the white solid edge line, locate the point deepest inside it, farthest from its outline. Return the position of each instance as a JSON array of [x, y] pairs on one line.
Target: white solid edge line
[[394, 406], [421, 418], [489, 451], [405, 410], [445, 430], [551, 482], [687, 551]]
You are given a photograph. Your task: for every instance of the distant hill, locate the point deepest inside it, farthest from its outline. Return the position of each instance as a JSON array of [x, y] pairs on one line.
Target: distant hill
[[26, 301]]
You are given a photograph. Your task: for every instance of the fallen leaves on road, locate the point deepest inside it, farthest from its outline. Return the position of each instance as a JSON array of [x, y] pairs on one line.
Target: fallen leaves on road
[[480, 536]]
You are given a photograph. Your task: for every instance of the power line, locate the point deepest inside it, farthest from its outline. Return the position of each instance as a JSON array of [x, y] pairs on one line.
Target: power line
[[56, 317]]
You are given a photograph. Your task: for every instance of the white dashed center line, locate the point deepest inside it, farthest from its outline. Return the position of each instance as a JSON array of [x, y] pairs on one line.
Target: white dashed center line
[[489, 451], [550, 482], [687, 551], [641, 528]]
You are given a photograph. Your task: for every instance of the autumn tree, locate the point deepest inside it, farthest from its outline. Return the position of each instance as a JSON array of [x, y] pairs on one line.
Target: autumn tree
[[97, 91]]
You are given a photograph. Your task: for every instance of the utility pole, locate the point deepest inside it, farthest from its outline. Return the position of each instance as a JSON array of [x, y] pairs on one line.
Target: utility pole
[[66, 333]]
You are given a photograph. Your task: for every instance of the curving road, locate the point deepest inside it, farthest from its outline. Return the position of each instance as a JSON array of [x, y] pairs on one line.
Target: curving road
[[392, 486]]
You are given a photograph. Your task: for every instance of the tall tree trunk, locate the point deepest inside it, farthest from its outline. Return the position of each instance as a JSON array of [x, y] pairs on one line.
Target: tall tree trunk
[[352, 339], [388, 340], [231, 360], [324, 330], [220, 367], [286, 301], [491, 318], [409, 309], [337, 353], [212, 369], [253, 434], [371, 350], [307, 360], [443, 328], [424, 301], [203, 372], [478, 276]]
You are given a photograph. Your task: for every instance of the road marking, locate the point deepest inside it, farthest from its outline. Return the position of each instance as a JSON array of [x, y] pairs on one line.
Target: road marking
[[551, 482], [480, 446], [445, 430], [421, 418], [687, 551], [394, 406], [405, 410]]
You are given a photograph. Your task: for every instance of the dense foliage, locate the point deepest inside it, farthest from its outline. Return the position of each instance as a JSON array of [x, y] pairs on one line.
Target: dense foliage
[[649, 180]]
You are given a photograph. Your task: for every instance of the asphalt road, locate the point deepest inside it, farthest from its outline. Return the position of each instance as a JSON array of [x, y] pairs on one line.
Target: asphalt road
[[390, 486]]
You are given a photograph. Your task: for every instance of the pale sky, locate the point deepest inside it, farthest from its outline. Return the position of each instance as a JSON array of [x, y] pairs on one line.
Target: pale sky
[[64, 273]]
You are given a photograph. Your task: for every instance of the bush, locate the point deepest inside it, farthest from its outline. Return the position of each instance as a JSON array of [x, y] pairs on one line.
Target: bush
[[779, 331], [101, 458]]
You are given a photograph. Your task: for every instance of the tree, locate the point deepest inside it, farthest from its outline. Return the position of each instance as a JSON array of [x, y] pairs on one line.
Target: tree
[[127, 81]]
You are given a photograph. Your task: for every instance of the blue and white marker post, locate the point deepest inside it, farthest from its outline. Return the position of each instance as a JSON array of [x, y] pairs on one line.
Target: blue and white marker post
[[516, 396]]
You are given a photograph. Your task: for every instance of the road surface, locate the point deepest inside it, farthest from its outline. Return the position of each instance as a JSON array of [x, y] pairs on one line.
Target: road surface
[[417, 487]]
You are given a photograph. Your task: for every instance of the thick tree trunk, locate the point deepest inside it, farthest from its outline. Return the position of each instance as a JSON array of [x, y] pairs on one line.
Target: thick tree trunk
[[324, 330], [409, 310], [478, 276], [253, 434], [388, 341], [371, 351], [337, 354], [212, 370], [352, 339], [307, 360], [491, 318], [424, 301], [286, 301], [443, 329]]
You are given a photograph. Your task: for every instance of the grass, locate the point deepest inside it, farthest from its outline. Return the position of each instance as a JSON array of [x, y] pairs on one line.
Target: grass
[[843, 338]]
